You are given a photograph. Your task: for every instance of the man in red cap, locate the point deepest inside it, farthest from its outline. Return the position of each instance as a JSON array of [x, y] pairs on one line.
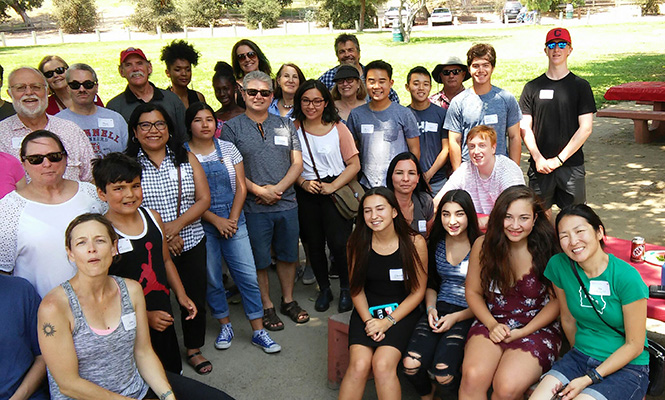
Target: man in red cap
[[557, 109], [135, 67]]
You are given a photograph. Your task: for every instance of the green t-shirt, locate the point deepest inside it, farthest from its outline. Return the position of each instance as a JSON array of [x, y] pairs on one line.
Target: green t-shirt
[[593, 337]]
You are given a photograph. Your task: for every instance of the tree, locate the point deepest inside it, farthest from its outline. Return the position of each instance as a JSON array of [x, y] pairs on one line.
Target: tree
[[152, 13], [343, 13], [265, 11], [21, 7], [412, 8], [76, 16]]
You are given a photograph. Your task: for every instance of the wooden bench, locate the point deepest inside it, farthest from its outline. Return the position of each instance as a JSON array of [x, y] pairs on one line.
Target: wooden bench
[[640, 119]]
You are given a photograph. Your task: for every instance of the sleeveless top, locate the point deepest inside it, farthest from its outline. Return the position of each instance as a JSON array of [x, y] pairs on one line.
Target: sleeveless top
[[107, 361]]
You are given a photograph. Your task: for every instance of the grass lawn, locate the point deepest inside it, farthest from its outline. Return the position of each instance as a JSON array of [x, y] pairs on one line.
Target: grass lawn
[[605, 55]]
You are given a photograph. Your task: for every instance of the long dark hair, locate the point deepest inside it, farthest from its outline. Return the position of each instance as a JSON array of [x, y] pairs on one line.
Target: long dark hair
[[360, 244], [422, 185], [586, 212], [495, 253], [173, 143], [329, 115], [191, 112], [264, 64]]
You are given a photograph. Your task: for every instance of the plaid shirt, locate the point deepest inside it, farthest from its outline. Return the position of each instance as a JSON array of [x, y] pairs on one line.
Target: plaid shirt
[[160, 193], [327, 79]]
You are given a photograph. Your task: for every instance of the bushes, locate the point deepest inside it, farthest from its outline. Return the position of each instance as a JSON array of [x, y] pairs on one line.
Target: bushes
[[264, 11], [204, 12], [151, 13], [76, 16]]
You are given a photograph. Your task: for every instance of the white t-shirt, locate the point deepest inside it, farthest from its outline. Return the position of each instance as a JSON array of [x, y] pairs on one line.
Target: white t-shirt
[[330, 152], [32, 236]]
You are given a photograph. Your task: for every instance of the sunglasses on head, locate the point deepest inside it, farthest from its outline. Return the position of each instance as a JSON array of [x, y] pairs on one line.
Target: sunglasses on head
[[254, 92], [59, 71], [37, 159], [75, 85], [552, 45], [447, 72], [249, 54]]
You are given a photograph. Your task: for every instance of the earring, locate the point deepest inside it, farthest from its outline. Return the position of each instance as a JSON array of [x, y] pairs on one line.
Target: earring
[[134, 139]]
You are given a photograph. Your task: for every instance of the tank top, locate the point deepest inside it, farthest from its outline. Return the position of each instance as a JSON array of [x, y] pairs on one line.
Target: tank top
[[107, 361]]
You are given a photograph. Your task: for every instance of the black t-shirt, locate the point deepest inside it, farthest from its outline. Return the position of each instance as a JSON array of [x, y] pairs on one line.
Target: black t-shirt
[[555, 107], [7, 110]]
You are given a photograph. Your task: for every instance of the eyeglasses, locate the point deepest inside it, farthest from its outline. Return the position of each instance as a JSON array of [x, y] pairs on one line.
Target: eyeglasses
[[347, 81], [447, 72], [249, 54], [59, 71], [254, 92], [147, 126], [34, 87], [552, 45], [37, 159], [317, 102], [76, 85]]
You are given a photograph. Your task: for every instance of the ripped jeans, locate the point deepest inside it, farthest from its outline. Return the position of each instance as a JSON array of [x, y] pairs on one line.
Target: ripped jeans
[[440, 354]]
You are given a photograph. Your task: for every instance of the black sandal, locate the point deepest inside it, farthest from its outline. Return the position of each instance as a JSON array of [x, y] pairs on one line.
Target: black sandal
[[294, 311], [271, 321], [199, 367]]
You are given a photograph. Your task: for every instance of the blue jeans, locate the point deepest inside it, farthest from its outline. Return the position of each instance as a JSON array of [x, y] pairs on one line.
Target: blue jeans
[[238, 255]]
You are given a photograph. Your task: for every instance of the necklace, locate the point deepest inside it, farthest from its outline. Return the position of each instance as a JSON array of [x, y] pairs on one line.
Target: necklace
[[286, 106]]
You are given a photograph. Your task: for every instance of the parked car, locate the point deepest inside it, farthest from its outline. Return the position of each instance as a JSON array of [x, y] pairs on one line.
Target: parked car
[[441, 16], [511, 9], [392, 15]]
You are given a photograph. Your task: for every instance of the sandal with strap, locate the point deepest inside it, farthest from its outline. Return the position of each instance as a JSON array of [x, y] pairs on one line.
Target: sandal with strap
[[200, 366], [294, 311], [271, 321]]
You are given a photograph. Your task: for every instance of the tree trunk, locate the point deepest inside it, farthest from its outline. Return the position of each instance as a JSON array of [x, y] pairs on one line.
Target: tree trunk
[[20, 11], [361, 23]]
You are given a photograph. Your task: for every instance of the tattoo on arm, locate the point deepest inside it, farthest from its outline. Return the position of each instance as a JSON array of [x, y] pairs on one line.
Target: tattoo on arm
[[165, 395], [49, 330]]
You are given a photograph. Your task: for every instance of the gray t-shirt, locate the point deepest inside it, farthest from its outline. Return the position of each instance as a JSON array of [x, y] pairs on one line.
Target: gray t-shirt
[[381, 136], [106, 129], [266, 150], [430, 123], [496, 108]]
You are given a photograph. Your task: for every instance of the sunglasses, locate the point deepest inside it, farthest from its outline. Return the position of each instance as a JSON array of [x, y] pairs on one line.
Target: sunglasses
[[447, 72], [59, 71], [254, 92], [562, 45], [146, 126], [348, 81], [37, 159], [76, 85], [249, 54]]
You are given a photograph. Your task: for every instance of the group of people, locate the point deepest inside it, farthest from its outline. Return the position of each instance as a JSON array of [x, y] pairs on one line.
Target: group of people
[[452, 267]]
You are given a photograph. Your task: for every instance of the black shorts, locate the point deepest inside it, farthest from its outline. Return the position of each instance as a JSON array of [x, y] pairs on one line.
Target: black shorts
[[564, 186]]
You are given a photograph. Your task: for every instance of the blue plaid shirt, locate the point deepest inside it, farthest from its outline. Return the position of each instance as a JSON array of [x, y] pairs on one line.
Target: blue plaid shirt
[[327, 79]]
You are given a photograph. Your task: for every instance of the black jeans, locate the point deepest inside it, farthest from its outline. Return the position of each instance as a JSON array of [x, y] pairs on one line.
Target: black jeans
[[320, 222], [437, 348], [191, 266], [189, 389]]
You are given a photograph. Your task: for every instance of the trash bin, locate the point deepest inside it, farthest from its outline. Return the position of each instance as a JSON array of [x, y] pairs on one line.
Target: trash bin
[[569, 11], [397, 35]]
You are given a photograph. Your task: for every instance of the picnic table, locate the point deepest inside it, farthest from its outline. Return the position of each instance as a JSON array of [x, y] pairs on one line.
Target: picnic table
[[650, 273], [641, 92]]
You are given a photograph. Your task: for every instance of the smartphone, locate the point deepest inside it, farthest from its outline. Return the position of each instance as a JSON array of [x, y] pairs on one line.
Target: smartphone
[[383, 311], [558, 395]]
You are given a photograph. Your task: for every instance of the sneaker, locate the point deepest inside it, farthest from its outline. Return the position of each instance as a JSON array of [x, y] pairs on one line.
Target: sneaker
[[308, 277], [264, 341], [224, 338], [300, 271]]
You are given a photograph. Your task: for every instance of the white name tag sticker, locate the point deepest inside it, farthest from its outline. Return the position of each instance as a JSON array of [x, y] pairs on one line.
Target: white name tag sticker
[[546, 94], [422, 225], [16, 142], [464, 267], [366, 128], [599, 288], [105, 122], [491, 119], [396, 274], [124, 246], [129, 321], [431, 127], [173, 175], [281, 141]]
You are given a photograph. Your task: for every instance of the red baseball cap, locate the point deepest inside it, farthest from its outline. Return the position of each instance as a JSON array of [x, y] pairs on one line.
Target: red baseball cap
[[558, 34], [129, 51]]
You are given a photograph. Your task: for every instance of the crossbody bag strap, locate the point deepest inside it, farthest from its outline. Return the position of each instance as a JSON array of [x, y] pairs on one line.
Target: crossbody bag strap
[[311, 155], [179, 190]]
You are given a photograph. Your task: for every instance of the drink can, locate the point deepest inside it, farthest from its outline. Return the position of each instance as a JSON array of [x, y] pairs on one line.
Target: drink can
[[637, 249]]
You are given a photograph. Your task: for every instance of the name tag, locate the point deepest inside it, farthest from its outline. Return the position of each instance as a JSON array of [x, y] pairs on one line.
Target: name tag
[[464, 267], [16, 142], [281, 141], [396, 274], [546, 94], [129, 321], [124, 246], [366, 128], [431, 127], [173, 175], [422, 225], [599, 288], [491, 119], [105, 122]]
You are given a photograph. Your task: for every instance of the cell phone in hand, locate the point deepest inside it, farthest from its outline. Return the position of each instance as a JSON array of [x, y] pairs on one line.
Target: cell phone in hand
[[558, 395]]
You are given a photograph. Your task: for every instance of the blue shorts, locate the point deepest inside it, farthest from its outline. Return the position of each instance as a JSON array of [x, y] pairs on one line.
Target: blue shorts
[[628, 383], [278, 229]]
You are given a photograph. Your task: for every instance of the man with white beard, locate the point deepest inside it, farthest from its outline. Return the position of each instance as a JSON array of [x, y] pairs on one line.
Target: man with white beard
[[28, 90], [136, 69]]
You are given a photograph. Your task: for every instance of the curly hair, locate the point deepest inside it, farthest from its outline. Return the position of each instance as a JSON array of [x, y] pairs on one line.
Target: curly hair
[[179, 50]]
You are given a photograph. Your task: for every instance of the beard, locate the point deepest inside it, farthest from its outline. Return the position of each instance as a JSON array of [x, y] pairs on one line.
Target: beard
[[21, 109]]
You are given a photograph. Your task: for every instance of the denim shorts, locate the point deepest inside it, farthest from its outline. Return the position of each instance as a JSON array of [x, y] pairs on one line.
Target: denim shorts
[[279, 229], [628, 383]]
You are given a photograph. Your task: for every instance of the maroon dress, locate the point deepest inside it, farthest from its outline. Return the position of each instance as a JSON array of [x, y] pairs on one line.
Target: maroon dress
[[516, 309]]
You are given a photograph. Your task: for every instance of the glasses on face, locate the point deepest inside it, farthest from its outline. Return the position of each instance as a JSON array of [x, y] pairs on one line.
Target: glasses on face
[[37, 159], [254, 92], [561, 45], [34, 87], [59, 71], [306, 102], [249, 54], [75, 85], [447, 72], [347, 81], [147, 126]]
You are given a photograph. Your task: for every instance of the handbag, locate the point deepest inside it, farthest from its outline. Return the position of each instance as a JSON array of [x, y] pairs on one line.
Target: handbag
[[656, 351], [347, 198]]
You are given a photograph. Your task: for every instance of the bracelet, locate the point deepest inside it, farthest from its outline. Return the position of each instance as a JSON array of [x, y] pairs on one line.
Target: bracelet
[[391, 319], [165, 395], [594, 376], [428, 308], [365, 322], [559, 158]]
